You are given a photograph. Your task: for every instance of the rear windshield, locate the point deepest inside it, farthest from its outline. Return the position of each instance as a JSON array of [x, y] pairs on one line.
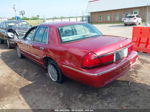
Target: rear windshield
[[130, 16], [24, 24], [10, 23], [77, 32]]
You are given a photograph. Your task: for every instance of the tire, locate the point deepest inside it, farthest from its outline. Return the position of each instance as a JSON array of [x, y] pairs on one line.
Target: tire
[[54, 72], [1, 41], [9, 46], [136, 24], [125, 24], [19, 54]]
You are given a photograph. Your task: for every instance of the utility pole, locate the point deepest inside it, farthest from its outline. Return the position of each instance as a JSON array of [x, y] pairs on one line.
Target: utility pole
[[147, 13], [14, 8], [82, 13]]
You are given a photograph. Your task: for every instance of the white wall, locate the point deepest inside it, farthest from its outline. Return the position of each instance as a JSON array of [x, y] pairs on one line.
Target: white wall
[[104, 5], [75, 19]]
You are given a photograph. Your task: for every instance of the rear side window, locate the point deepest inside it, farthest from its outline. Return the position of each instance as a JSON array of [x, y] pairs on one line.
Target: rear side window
[[41, 35]]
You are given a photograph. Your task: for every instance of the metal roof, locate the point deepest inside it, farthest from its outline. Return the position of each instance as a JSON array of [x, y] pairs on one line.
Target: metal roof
[[105, 5]]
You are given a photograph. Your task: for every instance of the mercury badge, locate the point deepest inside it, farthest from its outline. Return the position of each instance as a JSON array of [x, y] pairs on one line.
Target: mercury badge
[[120, 45]]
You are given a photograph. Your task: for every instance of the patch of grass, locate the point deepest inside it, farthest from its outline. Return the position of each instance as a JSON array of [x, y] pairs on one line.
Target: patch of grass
[[35, 22]]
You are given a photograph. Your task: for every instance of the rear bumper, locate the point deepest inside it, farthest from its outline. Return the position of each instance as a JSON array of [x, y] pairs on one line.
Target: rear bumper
[[132, 22], [101, 76]]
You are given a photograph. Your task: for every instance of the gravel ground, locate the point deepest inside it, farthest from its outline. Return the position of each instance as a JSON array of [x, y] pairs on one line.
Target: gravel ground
[[24, 84]]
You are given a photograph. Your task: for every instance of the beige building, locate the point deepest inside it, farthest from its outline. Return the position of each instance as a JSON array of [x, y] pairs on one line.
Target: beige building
[[108, 11]]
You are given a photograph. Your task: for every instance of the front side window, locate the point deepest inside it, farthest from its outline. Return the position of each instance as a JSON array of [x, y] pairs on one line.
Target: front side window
[[41, 35], [30, 34], [76, 32]]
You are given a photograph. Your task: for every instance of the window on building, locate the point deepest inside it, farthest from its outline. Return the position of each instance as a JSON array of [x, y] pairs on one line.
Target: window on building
[[108, 18], [117, 17], [136, 12], [100, 18]]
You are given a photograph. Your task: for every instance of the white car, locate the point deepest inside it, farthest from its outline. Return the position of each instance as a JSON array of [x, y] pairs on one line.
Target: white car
[[132, 20]]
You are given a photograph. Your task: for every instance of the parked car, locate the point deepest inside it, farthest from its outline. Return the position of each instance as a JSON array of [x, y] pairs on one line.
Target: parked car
[[78, 51], [11, 30], [132, 20]]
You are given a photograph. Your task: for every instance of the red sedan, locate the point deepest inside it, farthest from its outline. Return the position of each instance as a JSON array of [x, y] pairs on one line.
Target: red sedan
[[78, 51]]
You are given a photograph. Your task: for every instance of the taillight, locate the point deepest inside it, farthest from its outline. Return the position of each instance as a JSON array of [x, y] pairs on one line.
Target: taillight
[[107, 59], [90, 60], [130, 48]]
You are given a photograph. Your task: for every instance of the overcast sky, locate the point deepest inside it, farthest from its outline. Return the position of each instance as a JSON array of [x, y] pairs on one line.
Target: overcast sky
[[47, 8]]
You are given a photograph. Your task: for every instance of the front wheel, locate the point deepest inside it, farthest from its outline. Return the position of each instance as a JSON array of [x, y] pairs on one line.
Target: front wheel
[[19, 54], [54, 72]]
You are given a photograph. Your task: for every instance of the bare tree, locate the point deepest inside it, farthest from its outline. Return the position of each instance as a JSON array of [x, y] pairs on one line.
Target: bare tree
[[22, 13]]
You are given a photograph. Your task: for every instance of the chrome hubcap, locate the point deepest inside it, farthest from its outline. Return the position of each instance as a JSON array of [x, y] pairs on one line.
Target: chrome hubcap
[[52, 72]]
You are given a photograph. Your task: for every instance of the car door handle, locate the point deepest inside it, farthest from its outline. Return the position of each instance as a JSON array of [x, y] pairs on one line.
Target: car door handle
[[42, 48]]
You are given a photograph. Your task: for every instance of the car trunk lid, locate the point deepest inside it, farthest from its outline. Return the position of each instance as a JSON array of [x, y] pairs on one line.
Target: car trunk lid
[[100, 45]]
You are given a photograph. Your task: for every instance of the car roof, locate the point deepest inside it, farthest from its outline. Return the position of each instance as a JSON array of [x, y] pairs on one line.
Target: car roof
[[14, 21], [59, 24]]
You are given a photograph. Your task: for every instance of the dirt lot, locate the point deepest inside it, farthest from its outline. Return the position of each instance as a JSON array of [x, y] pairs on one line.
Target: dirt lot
[[24, 84]]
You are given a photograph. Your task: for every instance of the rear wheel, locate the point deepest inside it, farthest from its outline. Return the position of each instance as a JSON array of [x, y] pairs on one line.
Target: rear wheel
[[54, 72], [19, 54], [136, 24], [9, 46]]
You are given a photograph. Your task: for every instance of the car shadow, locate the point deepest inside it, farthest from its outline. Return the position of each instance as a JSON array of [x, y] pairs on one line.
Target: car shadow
[[45, 94], [3, 46]]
